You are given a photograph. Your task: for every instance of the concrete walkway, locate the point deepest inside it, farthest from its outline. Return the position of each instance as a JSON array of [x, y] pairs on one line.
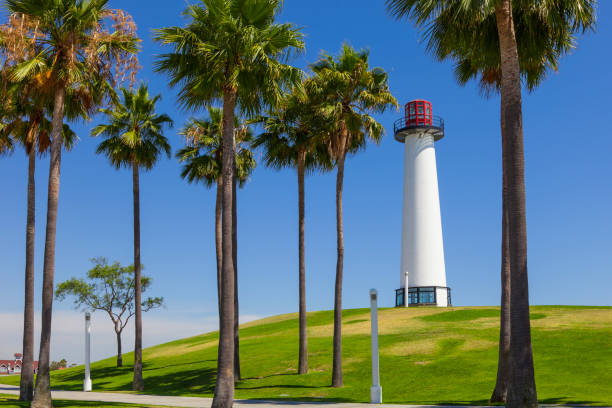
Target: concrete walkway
[[151, 400]]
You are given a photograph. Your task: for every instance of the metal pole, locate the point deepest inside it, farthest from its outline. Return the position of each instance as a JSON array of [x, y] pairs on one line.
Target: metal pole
[[376, 390], [87, 381]]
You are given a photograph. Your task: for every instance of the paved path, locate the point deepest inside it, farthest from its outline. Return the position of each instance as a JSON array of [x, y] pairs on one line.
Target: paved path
[[188, 402], [147, 400]]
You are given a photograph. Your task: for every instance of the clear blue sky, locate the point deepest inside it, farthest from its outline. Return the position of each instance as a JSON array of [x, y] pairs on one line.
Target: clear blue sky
[[568, 146]]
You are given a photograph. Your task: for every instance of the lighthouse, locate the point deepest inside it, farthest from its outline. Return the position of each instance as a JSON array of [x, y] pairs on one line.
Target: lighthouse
[[422, 273]]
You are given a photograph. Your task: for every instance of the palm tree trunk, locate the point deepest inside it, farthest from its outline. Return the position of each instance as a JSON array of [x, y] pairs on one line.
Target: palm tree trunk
[[42, 394], [119, 355], [224, 387], [337, 363], [500, 392], [303, 354], [137, 382], [522, 388], [235, 263], [218, 241], [26, 384]]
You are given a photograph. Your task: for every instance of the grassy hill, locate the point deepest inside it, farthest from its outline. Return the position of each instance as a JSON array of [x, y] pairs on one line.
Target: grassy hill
[[427, 356]]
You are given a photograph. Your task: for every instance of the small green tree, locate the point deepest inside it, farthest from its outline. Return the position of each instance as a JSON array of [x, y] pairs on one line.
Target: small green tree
[[109, 288], [58, 365]]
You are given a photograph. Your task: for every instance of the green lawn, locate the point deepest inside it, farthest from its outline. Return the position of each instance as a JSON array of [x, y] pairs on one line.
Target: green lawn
[[11, 402], [428, 356]]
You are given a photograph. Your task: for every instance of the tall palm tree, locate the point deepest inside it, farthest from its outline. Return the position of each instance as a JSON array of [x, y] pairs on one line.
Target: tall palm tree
[[350, 91], [244, 164], [21, 119], [290, 139], [475, 51], [503, 42], [233, 51], [203, 163], [33, 135], [78, 54], [134, 138], [24, 121], [13, 129]]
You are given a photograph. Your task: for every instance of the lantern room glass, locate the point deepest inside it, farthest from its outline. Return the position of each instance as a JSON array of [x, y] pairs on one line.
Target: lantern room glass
[[418, 113]]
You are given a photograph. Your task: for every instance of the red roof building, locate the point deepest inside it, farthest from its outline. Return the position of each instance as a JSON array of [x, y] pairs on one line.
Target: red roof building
[[8, 367]]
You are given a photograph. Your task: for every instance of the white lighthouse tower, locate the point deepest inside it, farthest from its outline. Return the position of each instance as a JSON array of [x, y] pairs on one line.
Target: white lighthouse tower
[[422, 275]]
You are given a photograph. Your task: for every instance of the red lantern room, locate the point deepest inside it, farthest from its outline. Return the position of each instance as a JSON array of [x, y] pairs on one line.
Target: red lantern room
[[418, 113], [418, 119]]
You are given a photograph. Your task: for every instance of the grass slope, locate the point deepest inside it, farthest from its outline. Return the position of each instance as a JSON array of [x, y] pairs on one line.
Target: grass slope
[[427, 356]]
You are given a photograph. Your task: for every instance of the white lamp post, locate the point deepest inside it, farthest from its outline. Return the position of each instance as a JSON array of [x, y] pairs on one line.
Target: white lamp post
[[376, 390], [87, 381]]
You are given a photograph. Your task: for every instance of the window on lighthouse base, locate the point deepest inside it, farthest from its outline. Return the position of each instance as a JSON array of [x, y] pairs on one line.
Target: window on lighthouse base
[[400, 297], [422, 296]]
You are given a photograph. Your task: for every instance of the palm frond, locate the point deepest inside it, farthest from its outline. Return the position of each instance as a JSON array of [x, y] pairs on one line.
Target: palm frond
[[202, 155], [134, 131], [465, 32], [231, 44], [348, 91]]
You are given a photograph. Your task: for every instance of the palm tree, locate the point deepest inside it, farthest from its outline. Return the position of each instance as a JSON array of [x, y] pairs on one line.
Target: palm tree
[[203, 163], [33, 135], [503, 42], [134, 139], [233, 51], [290, 140], [17, 106], [24, 121], [77, 54], [350, 91], [475, 51], [244, 164], [14, 128], [6, 144]]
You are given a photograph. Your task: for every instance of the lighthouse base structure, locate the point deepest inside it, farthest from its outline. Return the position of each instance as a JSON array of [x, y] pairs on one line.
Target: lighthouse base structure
[[423, 273], [423, 296]]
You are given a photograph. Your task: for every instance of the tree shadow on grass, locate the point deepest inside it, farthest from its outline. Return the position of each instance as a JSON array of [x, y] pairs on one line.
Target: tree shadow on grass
[[146, 369], [569, 401], [263, 387], [178, 382], [12, 402], [294, 401], [242, 386], [102, 377], [268, 376], [59, 403], [198, 381], [483, 402], [480, 402], [71, 404]]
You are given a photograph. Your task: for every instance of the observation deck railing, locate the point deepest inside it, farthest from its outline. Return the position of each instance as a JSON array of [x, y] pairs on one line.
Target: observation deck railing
[[408, 123]]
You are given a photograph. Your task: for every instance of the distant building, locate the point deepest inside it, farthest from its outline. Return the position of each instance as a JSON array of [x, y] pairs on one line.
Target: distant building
[[8, 367]]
